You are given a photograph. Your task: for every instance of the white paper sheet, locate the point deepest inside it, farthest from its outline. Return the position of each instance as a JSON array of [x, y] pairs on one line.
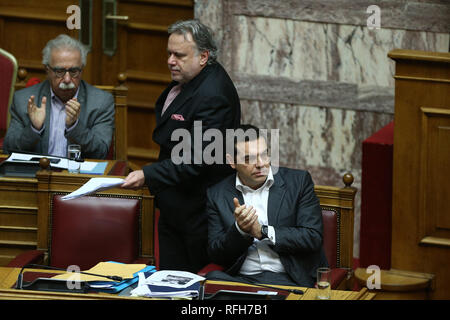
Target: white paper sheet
[[179, 281], [94, 185]]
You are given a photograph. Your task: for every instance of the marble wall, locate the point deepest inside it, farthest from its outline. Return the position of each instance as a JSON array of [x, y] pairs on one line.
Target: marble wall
[[316, 72]]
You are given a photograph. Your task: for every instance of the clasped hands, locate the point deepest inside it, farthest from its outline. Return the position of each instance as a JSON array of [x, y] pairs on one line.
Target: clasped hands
[[37, 114], [247, 219]]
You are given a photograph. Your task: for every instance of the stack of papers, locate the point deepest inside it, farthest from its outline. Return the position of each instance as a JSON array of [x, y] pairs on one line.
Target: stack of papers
[[94, 185], [168, 284]]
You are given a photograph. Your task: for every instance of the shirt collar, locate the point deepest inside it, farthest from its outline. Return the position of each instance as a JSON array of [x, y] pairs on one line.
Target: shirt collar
[[267, 184]]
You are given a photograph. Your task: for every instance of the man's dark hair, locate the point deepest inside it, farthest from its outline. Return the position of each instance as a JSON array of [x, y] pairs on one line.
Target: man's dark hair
[[201, 34], [243, 133]]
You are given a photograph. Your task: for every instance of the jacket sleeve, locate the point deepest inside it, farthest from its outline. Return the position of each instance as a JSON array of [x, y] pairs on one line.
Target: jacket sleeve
[[96, 138], [20, 136], [225, 244], [307, 234]]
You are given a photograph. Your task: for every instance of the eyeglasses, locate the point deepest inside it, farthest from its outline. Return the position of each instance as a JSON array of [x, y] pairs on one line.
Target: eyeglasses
[[60, 72]]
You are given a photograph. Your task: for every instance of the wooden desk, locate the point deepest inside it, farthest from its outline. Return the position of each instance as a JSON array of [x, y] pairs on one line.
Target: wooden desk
[[19, 204], [8, 277], [399, 284]]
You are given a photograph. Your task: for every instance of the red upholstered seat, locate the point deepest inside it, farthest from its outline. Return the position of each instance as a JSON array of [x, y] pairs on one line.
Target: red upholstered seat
[[32, 81], [88, 230], [8, 73], [331, 245], [330, 236]]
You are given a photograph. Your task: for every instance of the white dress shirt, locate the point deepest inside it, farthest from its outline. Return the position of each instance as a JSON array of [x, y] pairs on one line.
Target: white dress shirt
[[57, 142], [260, 256]]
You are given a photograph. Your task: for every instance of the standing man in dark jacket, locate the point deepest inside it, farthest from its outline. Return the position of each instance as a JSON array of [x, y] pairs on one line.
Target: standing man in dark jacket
[[200, 97]]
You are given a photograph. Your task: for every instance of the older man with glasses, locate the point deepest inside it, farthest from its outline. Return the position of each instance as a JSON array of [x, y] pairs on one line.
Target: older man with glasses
[[63, 109]]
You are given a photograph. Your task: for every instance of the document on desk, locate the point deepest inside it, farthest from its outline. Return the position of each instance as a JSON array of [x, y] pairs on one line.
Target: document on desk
[[169, 284], [94, 185], [55, 162], [174, 279]]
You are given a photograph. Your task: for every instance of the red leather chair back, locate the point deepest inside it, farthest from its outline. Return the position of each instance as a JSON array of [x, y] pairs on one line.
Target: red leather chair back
[[8, 73], [32, 81], [331, 236], [89, 230]]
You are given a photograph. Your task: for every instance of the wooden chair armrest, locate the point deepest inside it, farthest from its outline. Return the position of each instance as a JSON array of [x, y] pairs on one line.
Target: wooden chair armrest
[[208, 268]]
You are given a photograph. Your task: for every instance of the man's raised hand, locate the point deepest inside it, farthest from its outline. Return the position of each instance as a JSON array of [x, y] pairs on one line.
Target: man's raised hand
[[35, 113]]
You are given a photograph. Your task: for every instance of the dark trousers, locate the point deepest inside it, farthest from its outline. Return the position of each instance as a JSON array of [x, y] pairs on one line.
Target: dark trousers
[[265, 277], [181, 251]]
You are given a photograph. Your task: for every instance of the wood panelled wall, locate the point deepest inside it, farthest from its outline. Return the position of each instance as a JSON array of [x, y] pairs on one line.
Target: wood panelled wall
[[27, 25], [143, 57]]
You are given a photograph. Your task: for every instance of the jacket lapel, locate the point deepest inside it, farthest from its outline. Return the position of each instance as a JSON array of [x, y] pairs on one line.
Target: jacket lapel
[[184, 96], [233, 193], [276, 196], [82, 97], [176, 104]]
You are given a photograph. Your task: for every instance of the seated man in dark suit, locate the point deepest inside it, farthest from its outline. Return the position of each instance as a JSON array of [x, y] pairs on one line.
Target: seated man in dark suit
[[264, 223], [63, 109]]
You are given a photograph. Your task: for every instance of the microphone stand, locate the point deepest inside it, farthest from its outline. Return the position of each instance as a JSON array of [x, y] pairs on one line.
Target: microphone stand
[[295, 291], [19, 283]]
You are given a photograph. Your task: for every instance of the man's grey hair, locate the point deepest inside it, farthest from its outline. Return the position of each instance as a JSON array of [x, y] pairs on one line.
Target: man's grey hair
[[201, 34], [63, 41]]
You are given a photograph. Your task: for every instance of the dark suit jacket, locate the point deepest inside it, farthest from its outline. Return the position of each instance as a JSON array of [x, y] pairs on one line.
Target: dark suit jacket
[[180, 189], [294, 212], [93, 131]]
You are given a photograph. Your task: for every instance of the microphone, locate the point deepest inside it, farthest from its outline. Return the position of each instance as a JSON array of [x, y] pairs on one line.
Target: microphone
[[295, 291], [19, 282], [247, 281]]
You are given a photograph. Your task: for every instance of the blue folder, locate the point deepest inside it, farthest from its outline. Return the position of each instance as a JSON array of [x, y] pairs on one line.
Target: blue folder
[[119, 286], [98, 169]]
